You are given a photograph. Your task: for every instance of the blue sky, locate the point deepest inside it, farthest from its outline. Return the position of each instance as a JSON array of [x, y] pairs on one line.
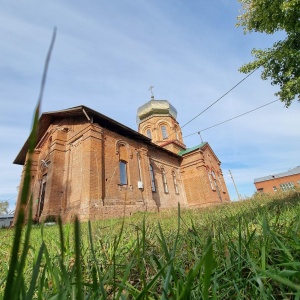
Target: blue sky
[[108, 53]]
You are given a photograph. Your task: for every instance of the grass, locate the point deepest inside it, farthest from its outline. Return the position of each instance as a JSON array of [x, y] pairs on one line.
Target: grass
[[244, 250]]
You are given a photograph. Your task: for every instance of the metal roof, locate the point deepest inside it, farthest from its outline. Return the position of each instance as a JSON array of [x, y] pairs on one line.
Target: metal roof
[[105, 122], [188, 150], [6, 216], [290, 172]]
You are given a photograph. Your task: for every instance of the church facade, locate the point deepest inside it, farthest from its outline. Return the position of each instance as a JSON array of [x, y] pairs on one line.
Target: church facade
[[89, 165]]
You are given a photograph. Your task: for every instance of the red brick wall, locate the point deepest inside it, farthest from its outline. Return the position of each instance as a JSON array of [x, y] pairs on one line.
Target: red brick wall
[[268, 185], [199, 190], [83, 176], [154, 123]]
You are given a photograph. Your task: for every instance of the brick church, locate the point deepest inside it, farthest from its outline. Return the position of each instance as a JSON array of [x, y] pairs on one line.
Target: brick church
[[89, 165]]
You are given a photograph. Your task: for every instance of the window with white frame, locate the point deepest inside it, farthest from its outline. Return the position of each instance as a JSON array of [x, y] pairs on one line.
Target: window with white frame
[[148, 132], [164, 180], [220, 181], [164, 132], [210, 180], [175, 182], [274, 188], [123, 172], [176, 133], [287, 186]]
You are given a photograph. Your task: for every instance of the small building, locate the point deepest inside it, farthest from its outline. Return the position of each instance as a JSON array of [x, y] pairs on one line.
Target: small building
[[6, 220], [89, 165], [281, 181]]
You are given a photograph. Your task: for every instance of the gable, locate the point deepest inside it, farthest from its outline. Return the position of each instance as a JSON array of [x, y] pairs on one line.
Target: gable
[[91, 116], [205, 147]]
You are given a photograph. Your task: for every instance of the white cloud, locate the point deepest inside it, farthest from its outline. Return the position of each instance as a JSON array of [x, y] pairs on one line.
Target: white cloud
[[108, 53]]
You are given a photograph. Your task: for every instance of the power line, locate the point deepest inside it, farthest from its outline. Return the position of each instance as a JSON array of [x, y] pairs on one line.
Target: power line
[[262, 63], [217, 99], [220, 97], [232, 118], [9, 198]]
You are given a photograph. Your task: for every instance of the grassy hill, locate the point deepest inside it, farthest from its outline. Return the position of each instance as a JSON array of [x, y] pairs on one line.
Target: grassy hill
[[243, 250]]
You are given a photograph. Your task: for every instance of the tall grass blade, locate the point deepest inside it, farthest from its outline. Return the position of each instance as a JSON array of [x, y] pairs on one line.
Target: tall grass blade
[[95, 260], [281, 279], [79, 295], [206, 259], [208, 267], [20, 268], [170, 268], [25, 191], [62, 240], [35, 273]]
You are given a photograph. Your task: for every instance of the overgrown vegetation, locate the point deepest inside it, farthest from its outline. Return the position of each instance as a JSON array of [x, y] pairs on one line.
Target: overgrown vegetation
[[4, 207], [244, 250]]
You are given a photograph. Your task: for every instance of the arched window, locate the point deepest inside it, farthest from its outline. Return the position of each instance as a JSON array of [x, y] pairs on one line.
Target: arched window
[[210, 180], [123, 172], [164, 180], [148, 132], [176, 132], [153, 187], [164, 132], [220, 181], [213, 174], [175, 182]]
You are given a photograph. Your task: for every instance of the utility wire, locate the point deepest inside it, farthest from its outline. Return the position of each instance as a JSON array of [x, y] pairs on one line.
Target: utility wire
[[220, 97], [232, 88], [232, 118], [10, 198], [217, 99]]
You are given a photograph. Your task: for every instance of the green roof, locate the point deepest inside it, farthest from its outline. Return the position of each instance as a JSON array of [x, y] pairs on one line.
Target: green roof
[[188, 150]]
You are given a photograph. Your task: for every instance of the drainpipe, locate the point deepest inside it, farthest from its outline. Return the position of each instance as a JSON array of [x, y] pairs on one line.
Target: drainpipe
[[103, 167]]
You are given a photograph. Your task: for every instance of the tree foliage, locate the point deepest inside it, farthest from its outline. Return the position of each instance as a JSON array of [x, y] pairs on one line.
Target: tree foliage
[[3, 207], [281, 62]]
